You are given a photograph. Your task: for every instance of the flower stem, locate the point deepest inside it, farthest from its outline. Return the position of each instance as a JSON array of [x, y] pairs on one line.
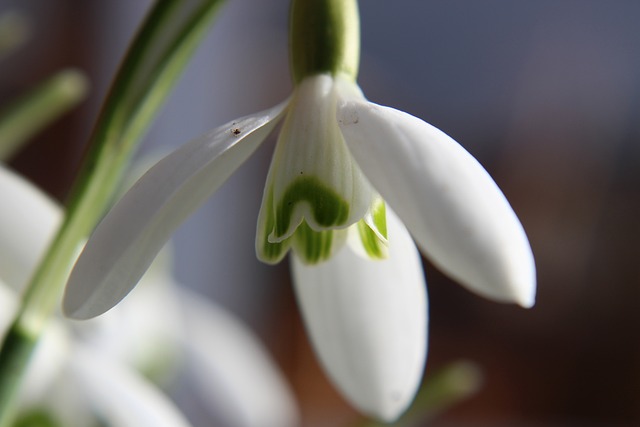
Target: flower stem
[[14, 358], [324, 38], [151, 68]]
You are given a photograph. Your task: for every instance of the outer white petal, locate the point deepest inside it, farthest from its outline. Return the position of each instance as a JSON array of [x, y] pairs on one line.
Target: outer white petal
[[119, 395], [126, 241], [368, 322], [237, 378], [453, 208], [28, 221]]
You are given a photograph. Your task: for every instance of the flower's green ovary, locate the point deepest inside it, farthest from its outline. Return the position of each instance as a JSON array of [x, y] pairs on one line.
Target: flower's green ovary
[[327, 207]]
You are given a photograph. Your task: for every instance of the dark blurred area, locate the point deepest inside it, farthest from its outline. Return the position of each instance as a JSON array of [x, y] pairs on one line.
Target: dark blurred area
[[545, 94]]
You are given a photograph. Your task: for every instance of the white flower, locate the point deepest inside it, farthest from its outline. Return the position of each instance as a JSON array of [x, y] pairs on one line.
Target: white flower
[[77, 384], [95, 367], [337, 158]]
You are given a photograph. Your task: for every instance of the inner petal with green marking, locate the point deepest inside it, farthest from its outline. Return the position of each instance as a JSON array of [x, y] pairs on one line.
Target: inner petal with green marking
[[326, 207], [315, 191], [371, 235]]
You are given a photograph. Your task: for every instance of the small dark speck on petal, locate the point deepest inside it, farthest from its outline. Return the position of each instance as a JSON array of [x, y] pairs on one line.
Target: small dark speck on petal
[[236, 131], [352, 118]]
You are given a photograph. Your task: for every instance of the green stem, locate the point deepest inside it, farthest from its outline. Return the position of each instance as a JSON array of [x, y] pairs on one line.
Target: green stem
[[30, 114], [324, 37], [14, 359], [134, 99]]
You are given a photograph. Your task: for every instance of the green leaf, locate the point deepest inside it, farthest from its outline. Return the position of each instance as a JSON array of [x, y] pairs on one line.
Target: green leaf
[[37, 109], [37, 418]]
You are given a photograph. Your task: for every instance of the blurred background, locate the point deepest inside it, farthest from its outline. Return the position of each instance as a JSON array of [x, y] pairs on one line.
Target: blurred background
[[545, 94]]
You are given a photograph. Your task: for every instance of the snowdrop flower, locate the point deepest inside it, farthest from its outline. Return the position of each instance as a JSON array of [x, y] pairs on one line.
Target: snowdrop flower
[[346, 177], [78, 385], [96, 367]]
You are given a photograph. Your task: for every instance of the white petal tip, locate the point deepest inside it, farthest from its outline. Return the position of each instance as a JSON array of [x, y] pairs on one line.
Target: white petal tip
[[522, 287], [78, 308], [390, 408], [528, 300], [520, 292], [70, 310], [76, 313]]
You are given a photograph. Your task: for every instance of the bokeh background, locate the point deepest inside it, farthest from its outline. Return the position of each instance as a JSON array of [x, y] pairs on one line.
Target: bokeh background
[[545, 93]]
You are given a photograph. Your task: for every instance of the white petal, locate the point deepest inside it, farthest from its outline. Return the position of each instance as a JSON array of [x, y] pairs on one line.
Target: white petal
[[237, 378], [368, 322], [453, 208], [126, 241], [28, 222], [121, 396], [8, 307]]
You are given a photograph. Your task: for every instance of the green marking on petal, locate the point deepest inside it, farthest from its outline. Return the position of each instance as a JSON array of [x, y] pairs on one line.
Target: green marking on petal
[[372, 244], [327, 207], [379, 216], [268, 252], [315, 246], [373, 231]]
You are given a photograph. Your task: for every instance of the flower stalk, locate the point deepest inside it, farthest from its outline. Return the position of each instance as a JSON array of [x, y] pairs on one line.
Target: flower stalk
[[324, 38], [150, 70]]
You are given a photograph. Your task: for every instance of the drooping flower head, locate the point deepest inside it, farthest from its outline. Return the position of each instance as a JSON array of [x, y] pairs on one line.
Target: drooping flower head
[[345, 179]]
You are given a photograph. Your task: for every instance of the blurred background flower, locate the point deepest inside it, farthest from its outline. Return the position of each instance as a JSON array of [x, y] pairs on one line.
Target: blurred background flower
[[545, 94], [104, 368]]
